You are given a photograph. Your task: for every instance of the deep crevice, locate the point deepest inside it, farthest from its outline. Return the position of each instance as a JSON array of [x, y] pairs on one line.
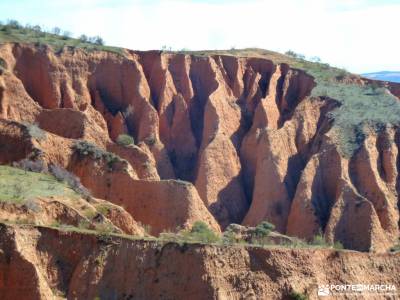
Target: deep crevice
[[204, 84]]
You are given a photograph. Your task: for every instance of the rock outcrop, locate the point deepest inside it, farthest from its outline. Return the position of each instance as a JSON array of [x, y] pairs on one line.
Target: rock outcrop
[[161, 204], [43, 263], [243, 133]]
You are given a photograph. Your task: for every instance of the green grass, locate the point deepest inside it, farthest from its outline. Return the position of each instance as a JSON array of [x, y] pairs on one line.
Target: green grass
[[298, 296], [57, 42], [182, 238], [264, 229], [17, 185], [363, 108], [125, 140], [104, 208], [200, 232]]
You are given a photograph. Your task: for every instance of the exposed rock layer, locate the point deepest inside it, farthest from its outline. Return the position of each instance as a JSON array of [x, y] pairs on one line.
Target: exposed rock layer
[[243, 131], [42, 263]]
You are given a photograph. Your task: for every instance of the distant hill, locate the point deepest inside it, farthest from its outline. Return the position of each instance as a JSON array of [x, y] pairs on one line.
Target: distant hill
[[384, 75]]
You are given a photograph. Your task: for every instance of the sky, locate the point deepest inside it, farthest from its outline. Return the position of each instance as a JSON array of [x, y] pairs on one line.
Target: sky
[[358, 35]]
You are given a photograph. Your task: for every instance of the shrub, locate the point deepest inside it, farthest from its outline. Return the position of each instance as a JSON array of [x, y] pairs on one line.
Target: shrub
[[98, 40], [301, 56], [56, 30], [298, 296], [84, 148], [37, 28], [125, 140], [66, 35], [7, 29], [338, 245], [55, 223], [90, 213], [83, 38], [293, 54], [84, 224], [3, 64], [342, 75], [32, 205], [319, 240], [375, 88], [150, 140], [73, 181], [395, 248], [229, 237], [264, 229], [36, 154], [315, 59], [34, 131], [37, 166], [104, 209], [200, 232], [14, 24], [261, 231]]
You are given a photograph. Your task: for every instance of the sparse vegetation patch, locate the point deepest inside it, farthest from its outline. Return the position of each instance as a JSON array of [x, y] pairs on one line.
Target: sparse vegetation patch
[[150, 140], [56, 38], [125, 140], [3, 64], [84, 148], [199, 233], [395, 248], [73, 181], [19, 186], [364, 108], [298, 296], [37, 166], [264, 229], [35, 131]]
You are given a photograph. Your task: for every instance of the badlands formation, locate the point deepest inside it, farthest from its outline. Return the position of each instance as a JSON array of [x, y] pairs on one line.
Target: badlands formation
[[220, 139]]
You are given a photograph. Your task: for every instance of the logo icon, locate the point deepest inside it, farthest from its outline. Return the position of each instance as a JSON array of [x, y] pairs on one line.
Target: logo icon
[[323, 290]]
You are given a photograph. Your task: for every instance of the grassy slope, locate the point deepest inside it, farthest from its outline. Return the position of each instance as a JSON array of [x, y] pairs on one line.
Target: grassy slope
[[57, 42], [362, 106], [17, 185]]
